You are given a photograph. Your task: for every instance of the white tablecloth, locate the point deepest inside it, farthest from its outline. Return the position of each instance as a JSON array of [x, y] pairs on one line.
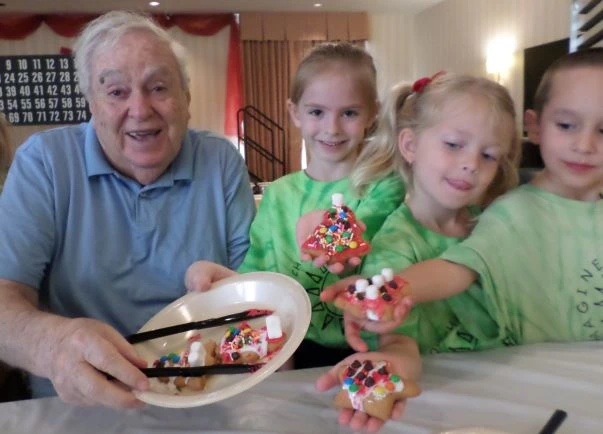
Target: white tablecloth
[[514, 390]]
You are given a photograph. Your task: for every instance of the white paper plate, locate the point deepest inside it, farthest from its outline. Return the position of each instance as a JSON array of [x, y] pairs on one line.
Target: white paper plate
[[260, 290]]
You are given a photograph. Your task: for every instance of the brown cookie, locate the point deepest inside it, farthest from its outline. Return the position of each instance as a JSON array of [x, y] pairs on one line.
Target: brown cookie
[[375, 299], [197, 353], [246, 344], [369, 387]]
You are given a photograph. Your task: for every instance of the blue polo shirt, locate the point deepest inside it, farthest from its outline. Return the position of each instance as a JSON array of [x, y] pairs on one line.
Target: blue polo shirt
[[97, 244]]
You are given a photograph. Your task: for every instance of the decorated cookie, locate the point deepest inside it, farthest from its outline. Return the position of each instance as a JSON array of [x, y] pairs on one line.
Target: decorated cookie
[[197, 353], [245, 344], [338, 235], [369, 387], [374, 298]]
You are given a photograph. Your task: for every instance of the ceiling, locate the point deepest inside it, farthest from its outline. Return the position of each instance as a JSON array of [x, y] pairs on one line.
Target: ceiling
[[191, 6]]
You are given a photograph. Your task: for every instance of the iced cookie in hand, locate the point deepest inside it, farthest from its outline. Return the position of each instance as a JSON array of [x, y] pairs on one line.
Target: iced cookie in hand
[[338, 236], [375, 298], [369, 387], [245, 344], [197, 353]]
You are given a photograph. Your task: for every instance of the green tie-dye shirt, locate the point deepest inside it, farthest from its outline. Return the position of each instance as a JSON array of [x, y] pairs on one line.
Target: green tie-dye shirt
[[460, 323], [540, 261], [274, 246]]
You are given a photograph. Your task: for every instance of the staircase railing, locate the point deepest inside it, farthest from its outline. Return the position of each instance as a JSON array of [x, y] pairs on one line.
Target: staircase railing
[[263, 141]]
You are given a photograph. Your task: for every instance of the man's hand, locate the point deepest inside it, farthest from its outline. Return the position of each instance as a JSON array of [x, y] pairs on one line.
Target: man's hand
[[81, 354], [201, 275]]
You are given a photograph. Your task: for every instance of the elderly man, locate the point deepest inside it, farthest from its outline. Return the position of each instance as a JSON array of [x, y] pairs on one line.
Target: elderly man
[[99, 222]]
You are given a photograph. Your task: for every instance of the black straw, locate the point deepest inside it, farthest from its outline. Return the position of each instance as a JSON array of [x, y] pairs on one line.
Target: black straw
[[554, 422], [196, 325]]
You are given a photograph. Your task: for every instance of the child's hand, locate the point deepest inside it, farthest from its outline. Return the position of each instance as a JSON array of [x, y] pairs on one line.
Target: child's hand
[[353, 325], [305, 226], [358, 420], [201, 274], [330, 293]]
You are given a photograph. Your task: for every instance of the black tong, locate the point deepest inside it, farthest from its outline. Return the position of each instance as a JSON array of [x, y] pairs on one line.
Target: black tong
[[196, 325]]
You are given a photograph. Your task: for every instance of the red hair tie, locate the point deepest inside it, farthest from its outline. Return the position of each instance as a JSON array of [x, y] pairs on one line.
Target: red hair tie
[[419, 85]]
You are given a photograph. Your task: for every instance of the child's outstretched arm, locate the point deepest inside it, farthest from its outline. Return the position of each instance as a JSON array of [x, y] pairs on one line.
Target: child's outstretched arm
[[430, 280], [402, 354], [201, 274], [434, 279]]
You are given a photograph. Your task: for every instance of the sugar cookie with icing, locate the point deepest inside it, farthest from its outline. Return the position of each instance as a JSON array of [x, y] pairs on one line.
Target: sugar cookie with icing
[[338, 236], [197, 353], [374, 298], [245, 344], [369, 387]]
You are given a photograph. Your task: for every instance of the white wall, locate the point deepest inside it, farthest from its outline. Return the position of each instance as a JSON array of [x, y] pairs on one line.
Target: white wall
[[454, 34], [392, 45]]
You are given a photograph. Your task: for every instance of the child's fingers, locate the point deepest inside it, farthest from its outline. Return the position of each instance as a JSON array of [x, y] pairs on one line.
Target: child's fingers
[[381, 327], [354, 261], [306, 224], [336, 268], [331, 291], [345, 415], [398, 410], [305, 257], [358, 420], [374, 424], [403, 309], [321, 260], [352, 335], [327, 381]]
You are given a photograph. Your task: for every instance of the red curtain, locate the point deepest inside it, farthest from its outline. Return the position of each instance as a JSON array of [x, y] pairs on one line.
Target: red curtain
[[20, 26]]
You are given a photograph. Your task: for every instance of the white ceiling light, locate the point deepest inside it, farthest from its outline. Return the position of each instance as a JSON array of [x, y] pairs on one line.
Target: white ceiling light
[[154, 4]]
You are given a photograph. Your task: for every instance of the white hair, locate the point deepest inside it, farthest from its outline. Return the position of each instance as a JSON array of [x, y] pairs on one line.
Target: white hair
[[105, 31]]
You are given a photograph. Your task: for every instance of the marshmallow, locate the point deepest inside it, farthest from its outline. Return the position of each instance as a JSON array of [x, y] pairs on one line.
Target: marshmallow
[[388, 274], [378, 280], [337, 199], [361, 285], [196, 356], [372, 292], [273, 327]]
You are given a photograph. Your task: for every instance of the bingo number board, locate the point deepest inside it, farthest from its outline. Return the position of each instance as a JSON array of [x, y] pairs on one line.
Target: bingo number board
[[41, 90]]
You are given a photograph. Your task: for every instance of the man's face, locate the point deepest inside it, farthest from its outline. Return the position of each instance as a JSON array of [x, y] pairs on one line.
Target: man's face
[[139, 105]]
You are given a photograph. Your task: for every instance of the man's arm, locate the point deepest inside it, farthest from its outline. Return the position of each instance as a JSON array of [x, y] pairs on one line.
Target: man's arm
[[75, 354]]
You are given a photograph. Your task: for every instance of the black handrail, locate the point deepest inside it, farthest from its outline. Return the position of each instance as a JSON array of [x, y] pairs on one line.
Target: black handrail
[[249, 117]]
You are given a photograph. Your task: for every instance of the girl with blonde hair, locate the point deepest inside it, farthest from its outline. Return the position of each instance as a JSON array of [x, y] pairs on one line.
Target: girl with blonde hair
[[454, 140]]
